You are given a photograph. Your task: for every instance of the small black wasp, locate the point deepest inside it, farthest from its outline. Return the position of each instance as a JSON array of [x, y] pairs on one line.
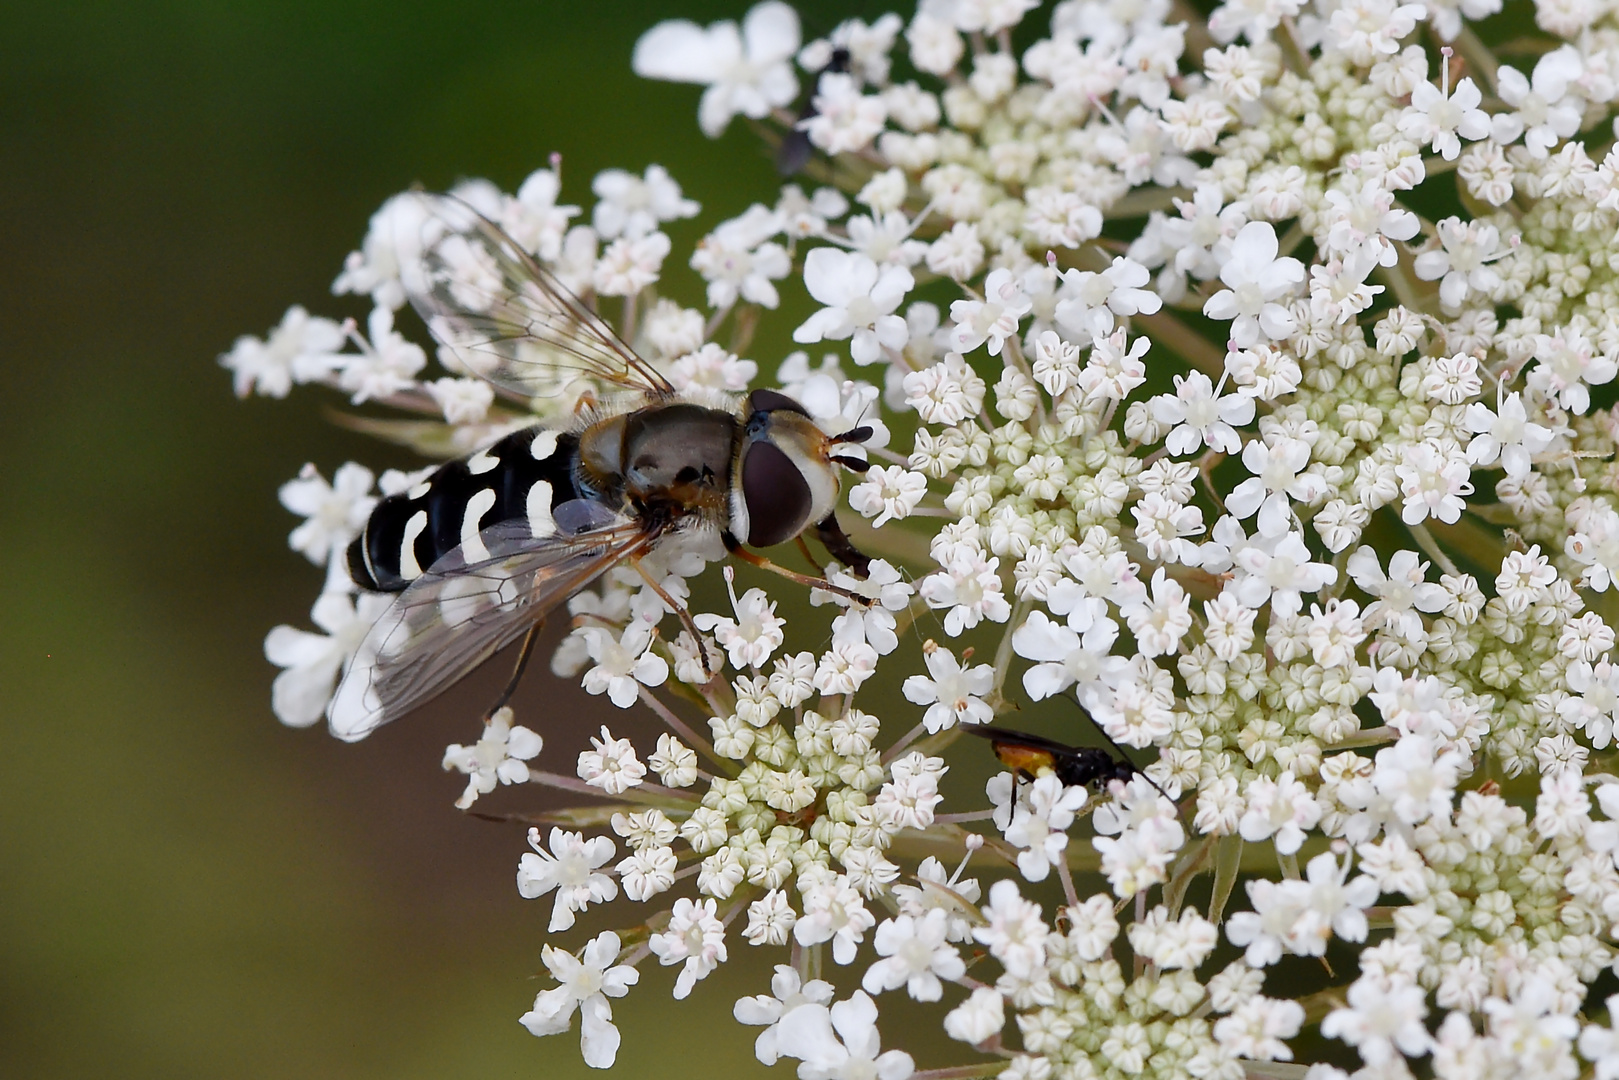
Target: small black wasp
[[1028, 756]]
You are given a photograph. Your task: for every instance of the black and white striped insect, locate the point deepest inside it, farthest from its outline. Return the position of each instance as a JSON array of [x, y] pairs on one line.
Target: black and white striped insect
[[486, 546]]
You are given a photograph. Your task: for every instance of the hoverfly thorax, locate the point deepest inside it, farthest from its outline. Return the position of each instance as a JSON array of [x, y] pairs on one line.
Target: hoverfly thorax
[[785, 477], [677, 454]]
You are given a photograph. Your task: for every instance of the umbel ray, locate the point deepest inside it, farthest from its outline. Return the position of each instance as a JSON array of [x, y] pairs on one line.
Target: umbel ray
[[486, 546]]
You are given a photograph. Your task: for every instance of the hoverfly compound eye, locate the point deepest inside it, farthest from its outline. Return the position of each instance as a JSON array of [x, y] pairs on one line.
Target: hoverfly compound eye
[[777, 496], [763, 401]]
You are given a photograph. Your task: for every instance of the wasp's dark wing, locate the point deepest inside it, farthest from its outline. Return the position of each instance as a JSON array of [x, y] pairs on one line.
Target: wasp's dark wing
[[460, 612], [504, 316], [1008, 737]]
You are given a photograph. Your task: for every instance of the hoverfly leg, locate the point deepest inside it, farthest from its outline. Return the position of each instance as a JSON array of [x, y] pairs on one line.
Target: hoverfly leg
[[680, 613], [836, 542], [809, 556], [734, 546], [530, 639]]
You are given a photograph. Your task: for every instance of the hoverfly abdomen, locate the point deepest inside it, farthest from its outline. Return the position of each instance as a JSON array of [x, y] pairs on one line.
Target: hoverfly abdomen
[[410, 531]]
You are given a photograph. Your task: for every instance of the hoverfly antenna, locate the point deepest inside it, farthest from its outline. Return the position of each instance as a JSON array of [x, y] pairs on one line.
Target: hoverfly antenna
[[854, 435]]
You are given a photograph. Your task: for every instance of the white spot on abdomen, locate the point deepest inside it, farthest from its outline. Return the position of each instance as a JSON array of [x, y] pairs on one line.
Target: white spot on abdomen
[[538, 508], [472, 548], [409, 568], [481, 462], [544, 445]]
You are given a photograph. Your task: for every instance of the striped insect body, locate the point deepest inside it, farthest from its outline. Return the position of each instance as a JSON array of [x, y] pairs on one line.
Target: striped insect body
[[479, 552]]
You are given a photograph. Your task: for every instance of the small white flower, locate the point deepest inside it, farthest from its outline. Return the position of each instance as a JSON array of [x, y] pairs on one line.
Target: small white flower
[[970, 587], [916, 956], [569, 868], [1282, 808], [740, 261], [1256, 280], [860, 302], [385, 365], [1199, 416], [835, 912], [648, 872], [770, 922], [1257, 1029], [747, 70], [1461, 265], [623, 663], [1595, 710], [1401, 594], [756, 632], [1381, 1020], [313, 661], [845, 120], [888, 493], [1039, 825], [1278, 475], [1546, 111], [586, 984], [534, 219], [845, 666], [1506, 435], [612, 765], [993, 319], [1417, 778], [335, 513], [980, 1017], [1368, 30], [1093, 299], [464, 401], [787, 992], [712, 367], [1442, 119], [695, 938], [1013, 930], [1567, 364], [1065, 657], [1434, 479], [1253, 19], [1056, 362], [946, 393], [630, 264], [1115, 367], [811, 1034], [952, 693], [300, 349], [500, 757], [1601, 1044]]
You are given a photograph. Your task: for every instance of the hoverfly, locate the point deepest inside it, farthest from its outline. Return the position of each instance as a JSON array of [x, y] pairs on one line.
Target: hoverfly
[[484, 548]]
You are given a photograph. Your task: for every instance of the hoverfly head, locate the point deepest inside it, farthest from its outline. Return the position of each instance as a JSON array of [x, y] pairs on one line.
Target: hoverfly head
[[783, 479]]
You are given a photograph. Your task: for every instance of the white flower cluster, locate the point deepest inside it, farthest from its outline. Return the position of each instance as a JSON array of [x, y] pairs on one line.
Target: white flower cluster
[[1271, 418]]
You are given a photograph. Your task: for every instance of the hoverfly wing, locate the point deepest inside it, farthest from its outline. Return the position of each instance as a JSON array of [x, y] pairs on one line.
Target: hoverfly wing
[[472, 603], [504, 316]]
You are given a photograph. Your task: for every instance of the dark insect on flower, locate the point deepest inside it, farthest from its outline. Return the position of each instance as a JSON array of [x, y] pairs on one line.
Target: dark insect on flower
[[1029, 755], [795, 149], [486, 546]]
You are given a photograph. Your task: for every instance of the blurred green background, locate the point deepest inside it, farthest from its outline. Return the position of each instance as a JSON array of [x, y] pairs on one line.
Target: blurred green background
[[187, 889]]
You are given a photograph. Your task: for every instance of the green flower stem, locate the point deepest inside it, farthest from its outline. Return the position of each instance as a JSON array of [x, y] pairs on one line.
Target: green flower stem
[[1227, 861], [645, 795], [685, 731], [1431, 548], [1187, 343]]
